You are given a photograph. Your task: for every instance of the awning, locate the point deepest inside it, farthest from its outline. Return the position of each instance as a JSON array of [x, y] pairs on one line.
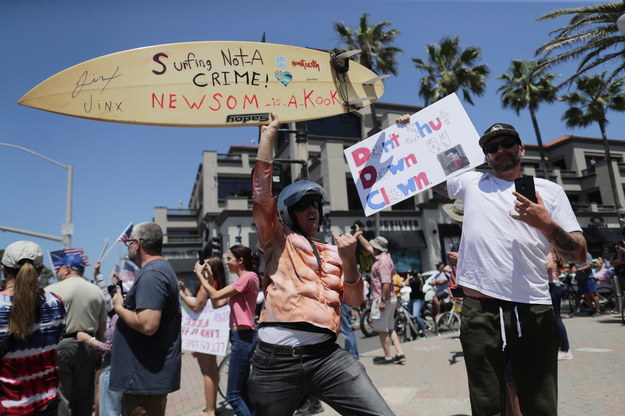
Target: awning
[[401, 240], [602, 235]]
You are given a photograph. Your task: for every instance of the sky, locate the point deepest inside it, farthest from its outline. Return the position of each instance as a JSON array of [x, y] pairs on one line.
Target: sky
[[122, 171]]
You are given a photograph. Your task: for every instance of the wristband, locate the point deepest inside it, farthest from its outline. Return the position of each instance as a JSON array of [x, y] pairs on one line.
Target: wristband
[[357, 280]]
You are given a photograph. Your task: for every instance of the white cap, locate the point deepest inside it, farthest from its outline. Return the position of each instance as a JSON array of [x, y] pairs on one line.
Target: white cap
[[20, 250]]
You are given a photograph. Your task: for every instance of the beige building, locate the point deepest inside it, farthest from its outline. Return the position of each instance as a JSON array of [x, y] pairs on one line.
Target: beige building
[[219, 211]]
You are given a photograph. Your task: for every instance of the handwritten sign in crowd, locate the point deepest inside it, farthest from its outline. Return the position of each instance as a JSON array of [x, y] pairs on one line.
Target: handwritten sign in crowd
[[438, 143], [206, 332]]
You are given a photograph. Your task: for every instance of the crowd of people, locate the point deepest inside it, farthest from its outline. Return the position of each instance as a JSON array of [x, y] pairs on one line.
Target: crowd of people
[[510, 268]]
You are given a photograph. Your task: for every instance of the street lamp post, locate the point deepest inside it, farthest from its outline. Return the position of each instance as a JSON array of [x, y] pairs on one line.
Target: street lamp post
[[67, 229]]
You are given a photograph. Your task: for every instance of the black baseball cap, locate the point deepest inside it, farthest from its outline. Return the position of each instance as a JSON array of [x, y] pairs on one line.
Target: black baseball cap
[[498, 129]]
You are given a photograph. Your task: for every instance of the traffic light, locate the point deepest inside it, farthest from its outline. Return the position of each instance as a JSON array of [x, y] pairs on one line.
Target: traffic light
[[216, 247], [277, 174]]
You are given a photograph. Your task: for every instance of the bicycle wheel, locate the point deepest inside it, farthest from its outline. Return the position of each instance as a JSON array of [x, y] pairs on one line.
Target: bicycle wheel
[[442, 323], [573, 302], [365, 324], [430, 322], [222, 386], [400, 328], [454, 322]]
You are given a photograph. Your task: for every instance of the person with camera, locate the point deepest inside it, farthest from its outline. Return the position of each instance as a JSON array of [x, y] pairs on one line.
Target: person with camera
[[197, 300], [147, 359], [507, 314]]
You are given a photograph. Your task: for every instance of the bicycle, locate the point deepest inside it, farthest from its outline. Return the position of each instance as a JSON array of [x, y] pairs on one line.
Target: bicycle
[[222, 386], [403, 318], [451, 319]]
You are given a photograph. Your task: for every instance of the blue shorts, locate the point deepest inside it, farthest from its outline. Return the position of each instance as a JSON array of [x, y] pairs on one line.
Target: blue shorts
[[587, 285]]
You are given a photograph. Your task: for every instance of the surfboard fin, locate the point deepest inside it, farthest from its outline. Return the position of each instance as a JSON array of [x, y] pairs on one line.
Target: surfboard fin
[[357, 103], [372, 81], [348, 54]]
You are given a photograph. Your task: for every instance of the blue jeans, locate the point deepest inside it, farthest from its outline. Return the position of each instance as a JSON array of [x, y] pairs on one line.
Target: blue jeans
[[556, 296], [348, 331], [417, 305], [243, 343], [110, 401], [279, 382]]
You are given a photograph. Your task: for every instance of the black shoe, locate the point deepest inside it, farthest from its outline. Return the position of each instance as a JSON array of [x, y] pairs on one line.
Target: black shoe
[[383, 360], [399, 358]]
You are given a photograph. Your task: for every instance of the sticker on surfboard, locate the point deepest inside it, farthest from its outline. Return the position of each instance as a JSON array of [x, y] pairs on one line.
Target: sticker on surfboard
[[208, 84]]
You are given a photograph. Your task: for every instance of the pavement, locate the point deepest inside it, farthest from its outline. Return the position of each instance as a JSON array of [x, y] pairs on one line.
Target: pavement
[[433, 379]]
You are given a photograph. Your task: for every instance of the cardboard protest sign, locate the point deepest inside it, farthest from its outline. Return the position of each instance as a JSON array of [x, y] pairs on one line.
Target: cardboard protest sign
[[206, 332], [401, 161]]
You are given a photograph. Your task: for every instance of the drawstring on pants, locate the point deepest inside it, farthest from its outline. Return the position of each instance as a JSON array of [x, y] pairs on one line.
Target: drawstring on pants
[[502, 327]]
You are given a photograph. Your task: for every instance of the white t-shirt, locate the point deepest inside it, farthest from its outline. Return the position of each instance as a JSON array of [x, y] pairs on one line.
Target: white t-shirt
[[500, 256]]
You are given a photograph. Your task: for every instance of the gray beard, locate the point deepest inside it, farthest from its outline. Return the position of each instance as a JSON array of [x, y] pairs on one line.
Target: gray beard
[[506, 165]]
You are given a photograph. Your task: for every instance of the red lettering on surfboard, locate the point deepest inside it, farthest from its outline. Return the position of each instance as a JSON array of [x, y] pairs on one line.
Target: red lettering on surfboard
[[194, 104], [168, 101]]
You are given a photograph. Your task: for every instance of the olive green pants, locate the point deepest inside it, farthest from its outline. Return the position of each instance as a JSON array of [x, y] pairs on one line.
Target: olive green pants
[[532, 343]]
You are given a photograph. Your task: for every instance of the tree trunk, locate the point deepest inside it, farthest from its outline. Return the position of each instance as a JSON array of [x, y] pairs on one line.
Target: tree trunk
[[608, 159], [541, 148]]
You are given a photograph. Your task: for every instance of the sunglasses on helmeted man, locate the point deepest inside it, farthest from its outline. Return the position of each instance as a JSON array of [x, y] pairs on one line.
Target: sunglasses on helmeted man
[[304, 204], [507, 143]]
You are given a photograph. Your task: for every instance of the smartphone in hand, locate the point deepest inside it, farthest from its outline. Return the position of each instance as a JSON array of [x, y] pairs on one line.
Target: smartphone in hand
[[121, 286], [200, 256], [525, 186]]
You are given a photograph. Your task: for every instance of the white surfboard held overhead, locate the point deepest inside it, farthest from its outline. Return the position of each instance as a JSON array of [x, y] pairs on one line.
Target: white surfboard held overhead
[[202, 84]]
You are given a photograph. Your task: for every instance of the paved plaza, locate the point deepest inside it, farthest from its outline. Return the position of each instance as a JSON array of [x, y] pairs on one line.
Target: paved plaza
[[433, 380]]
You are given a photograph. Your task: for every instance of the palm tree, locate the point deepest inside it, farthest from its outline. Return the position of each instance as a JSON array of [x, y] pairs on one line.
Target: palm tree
[[376, 51], [450, 69], [594, 97], [591, 37], [375, 44], [525, 87]]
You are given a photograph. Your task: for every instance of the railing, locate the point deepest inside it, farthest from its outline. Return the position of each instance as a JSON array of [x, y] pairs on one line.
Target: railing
[[181, 211]]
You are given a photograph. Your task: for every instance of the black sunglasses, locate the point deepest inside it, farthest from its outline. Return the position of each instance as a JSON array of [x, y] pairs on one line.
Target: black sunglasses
[[304, 204], [507, 143]]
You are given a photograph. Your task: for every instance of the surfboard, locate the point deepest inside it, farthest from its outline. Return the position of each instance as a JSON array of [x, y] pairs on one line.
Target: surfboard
[[209, 84]]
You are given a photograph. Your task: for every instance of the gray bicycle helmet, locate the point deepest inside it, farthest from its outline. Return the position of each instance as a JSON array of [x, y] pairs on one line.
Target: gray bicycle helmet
[[293, 193]]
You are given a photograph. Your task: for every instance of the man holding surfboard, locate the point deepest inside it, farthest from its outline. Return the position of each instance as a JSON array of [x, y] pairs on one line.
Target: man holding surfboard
[[305, 282]]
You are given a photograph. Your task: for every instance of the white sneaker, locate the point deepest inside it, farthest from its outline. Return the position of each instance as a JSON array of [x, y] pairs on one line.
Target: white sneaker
[[564, 355]]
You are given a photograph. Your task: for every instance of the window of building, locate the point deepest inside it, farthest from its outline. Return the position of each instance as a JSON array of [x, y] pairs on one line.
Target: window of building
[[234, 187], [343, 125], [559, 164], [353, 200], [595, 196]]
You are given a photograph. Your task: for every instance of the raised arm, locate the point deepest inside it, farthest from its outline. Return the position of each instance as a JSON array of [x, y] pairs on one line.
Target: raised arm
[[268, 136], [362, 240], [218, 298]]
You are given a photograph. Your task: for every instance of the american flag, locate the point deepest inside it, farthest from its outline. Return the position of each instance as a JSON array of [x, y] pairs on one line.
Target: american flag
[[125, 235], [59, 254], [128, 271]]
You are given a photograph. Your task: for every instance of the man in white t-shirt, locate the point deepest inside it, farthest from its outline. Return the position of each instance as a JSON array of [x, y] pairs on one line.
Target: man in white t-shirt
[[507, 313]]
